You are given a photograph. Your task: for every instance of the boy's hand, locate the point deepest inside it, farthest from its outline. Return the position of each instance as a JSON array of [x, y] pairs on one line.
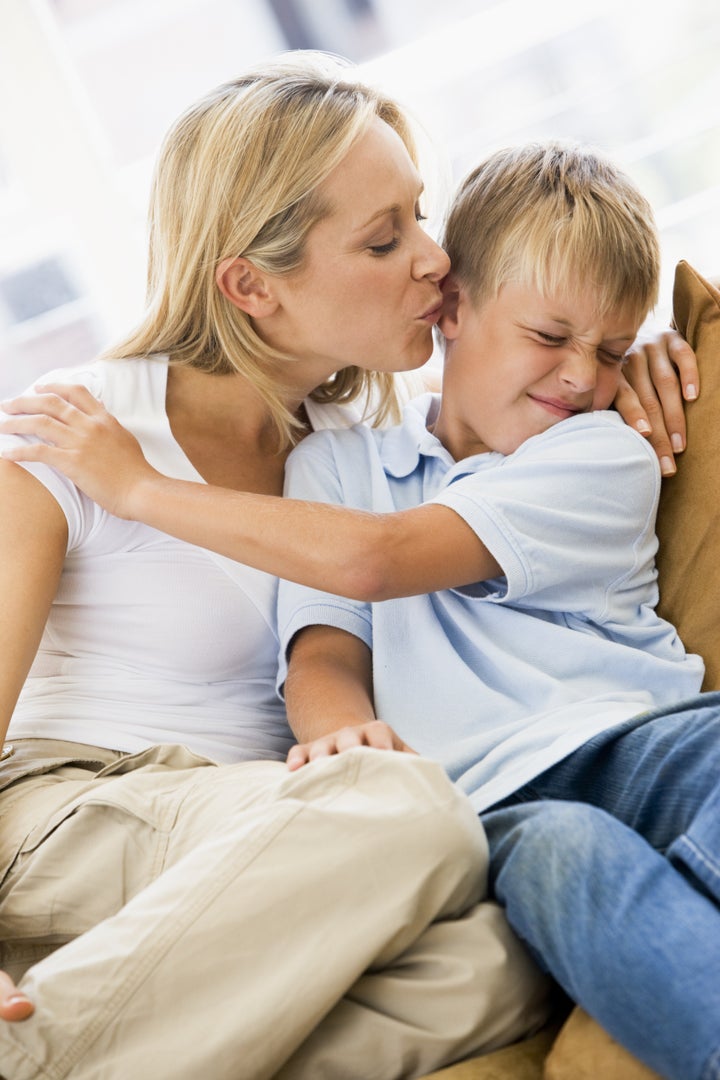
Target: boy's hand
[[82, 440], [375, 733], [13, 1003], [659, 375]]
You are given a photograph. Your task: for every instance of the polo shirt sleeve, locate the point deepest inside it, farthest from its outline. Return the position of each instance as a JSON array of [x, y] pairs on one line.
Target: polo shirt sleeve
[[311, 473], [570, 518], [81, 513]]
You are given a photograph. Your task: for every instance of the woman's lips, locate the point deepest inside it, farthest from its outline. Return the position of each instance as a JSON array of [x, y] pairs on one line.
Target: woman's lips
[[432, 314]]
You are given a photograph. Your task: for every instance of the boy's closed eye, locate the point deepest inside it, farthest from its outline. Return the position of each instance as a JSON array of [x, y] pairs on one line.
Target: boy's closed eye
[[551, 339], [606, 355], [612, 357]]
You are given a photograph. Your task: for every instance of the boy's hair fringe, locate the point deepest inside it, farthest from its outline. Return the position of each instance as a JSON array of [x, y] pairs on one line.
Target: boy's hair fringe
[[553, 215]]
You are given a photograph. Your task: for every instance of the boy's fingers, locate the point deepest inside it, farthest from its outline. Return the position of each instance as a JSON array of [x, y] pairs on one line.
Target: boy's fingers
[[54, 400], [40, 425], [375, 733], [297, 757], [44, 453], [326, 747], [48, 405], [74, 394]]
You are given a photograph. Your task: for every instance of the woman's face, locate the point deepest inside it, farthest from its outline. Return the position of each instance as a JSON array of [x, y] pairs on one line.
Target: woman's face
[[368, 292]]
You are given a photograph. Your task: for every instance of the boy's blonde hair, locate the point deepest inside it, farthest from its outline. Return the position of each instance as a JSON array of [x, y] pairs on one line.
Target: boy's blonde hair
[[238, 175], [558, 217]]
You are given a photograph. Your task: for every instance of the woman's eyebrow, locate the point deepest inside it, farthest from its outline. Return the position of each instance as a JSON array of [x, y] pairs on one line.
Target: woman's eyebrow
[[385, 210], [392, 210]]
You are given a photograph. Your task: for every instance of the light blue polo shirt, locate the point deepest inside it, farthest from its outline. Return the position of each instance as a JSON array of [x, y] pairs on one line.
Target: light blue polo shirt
[[502, 679]]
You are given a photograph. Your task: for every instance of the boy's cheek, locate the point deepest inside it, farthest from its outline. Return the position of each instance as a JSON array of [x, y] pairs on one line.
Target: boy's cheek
[[606, 390]]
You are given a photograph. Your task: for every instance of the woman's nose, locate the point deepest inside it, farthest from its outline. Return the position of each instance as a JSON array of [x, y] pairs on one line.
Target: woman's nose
[[431, 261]]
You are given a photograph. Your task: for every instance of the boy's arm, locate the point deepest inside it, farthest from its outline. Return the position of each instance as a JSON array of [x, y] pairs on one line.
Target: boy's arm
[[328, 693], [354, 553]]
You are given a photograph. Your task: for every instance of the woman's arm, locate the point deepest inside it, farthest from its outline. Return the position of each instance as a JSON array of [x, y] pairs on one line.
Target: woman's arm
[[354, 553], [33, 539]]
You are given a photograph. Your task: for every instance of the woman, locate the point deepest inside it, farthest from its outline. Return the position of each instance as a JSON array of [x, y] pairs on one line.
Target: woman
[[148, 825], [280, 202]]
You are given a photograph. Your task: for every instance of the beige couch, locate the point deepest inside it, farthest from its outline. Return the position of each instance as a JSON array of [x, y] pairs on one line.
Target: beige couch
[[687, 565]]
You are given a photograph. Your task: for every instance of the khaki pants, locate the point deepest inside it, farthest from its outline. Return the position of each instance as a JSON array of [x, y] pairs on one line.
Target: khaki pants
[[184, 920]]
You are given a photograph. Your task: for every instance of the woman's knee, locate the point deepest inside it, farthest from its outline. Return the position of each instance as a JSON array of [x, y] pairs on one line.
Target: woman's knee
[[445, 819], [403, 812]]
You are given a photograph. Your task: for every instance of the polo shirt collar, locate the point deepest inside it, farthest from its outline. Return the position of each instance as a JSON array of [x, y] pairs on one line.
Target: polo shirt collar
[[402, 446]]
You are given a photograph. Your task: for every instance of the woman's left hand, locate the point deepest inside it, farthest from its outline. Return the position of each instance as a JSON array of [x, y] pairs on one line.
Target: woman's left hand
[[659, 376]]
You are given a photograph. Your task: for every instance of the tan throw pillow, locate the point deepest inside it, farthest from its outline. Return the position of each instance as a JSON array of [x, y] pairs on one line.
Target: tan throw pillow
[[689, 516]]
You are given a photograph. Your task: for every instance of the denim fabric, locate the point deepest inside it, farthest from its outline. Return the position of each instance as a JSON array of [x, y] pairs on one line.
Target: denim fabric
[[609, 867]]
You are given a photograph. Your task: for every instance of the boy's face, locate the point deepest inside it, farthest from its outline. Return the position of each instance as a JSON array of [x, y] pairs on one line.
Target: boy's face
[[517, 364]]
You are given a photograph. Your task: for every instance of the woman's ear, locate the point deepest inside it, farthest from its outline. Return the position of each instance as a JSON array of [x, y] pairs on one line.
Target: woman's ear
[[448, 321], [248, 288]]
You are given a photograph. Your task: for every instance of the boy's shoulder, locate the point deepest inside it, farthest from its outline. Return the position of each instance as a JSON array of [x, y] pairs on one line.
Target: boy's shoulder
[[334, 442], [602, 433]]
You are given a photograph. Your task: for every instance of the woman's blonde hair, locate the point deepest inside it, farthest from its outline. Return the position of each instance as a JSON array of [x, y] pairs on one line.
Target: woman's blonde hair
[[553, 215], [238, 175]]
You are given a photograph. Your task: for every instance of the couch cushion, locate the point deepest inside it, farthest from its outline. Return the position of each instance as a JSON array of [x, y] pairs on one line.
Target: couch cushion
[[583, 1051], [689, 517], [522, 1061]]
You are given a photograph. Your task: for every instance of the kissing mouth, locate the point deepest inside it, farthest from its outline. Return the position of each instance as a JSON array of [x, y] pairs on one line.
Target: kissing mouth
[[433, 313]]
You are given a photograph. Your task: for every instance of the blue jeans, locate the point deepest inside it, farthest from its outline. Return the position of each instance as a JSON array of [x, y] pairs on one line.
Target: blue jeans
[[608, 865]]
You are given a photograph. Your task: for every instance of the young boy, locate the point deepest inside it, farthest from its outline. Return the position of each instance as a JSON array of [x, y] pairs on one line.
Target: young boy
[[511, 615], [535, 629], [530, 664]]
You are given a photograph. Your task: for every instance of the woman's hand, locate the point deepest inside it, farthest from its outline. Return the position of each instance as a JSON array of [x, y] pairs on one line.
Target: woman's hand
[[659, 375], [14, 1005], [82, 440], [375, 733]]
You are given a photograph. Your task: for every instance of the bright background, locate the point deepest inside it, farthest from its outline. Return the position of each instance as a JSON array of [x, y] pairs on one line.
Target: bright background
[[88, 87]]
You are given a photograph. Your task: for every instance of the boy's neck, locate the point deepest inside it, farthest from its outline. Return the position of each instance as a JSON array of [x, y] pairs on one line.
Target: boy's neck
[[460, 440]]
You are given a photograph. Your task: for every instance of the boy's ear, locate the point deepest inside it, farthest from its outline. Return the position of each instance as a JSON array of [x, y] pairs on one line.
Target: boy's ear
[[245, 286], [448, 321]]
